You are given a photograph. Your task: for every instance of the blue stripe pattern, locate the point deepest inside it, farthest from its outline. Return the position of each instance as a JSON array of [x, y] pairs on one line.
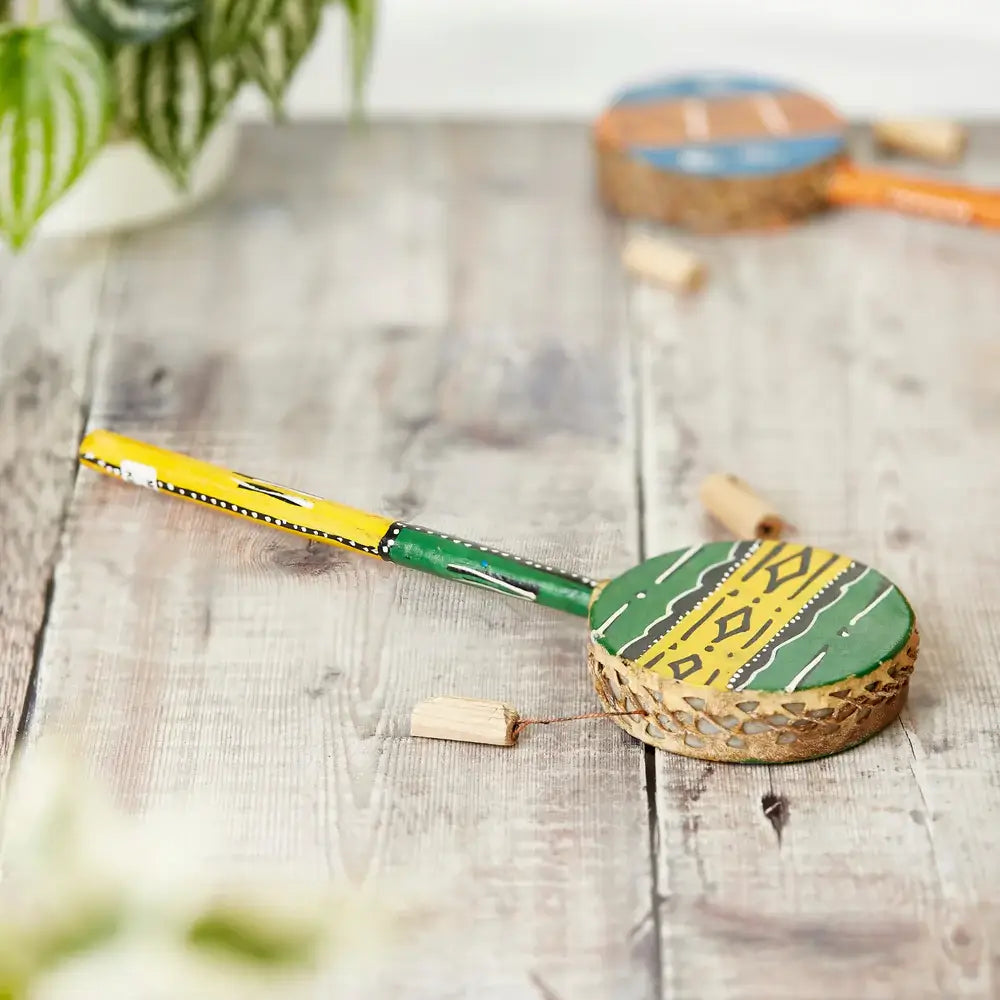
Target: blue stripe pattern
[[706, 85], [748, 158], [758, 157]]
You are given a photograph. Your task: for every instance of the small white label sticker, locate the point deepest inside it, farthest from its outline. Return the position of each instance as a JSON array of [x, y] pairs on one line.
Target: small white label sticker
[[136, 472]]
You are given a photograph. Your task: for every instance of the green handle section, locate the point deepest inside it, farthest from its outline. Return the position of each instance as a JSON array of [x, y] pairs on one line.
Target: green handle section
[[470, 563]]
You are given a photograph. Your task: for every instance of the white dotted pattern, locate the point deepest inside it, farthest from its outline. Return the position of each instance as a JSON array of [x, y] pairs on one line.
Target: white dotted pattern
[[734, 681], [237, 509], [383, 548], [651, 640]]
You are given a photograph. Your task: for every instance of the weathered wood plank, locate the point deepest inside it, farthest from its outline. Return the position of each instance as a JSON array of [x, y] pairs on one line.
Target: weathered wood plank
[[49, 298], [427, 321], [847, 369], [421, 321]]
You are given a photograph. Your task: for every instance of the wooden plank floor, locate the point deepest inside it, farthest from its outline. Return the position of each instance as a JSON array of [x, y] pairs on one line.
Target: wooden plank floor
[[430, 321]]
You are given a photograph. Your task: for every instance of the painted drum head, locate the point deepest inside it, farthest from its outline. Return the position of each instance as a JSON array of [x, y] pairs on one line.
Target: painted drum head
[[717, 151], [752, 651]]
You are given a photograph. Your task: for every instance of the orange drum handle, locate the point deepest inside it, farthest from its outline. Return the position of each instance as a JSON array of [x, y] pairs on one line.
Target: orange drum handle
[[958, 203]]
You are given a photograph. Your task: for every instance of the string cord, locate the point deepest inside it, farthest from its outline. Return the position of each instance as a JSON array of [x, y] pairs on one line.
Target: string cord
[[522, 724]]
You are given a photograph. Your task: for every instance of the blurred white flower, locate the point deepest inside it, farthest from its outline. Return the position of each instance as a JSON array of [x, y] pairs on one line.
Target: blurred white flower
[[140, 965], [95, 903]]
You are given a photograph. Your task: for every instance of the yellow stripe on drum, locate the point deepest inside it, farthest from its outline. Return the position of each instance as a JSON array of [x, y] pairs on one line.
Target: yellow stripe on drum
[[743, 614], [233, 493]]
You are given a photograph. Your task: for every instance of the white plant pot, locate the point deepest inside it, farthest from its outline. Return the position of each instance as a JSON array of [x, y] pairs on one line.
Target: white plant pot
[[124, 188]]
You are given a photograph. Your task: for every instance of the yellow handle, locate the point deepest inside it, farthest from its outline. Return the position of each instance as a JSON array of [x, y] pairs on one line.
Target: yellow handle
[[233, 493]]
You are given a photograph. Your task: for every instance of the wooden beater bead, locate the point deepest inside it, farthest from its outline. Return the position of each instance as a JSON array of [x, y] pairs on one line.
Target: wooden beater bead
[[939, 141], [730, 500], [663, 263], [470, 720]]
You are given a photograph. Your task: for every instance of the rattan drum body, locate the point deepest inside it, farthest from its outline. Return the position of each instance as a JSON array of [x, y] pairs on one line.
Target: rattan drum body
[[752, 651], [715, 152]]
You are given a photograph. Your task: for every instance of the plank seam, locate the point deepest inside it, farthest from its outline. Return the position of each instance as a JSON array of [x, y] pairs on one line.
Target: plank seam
[[649, 753], [38, 642], [37, 650], [928, 811]]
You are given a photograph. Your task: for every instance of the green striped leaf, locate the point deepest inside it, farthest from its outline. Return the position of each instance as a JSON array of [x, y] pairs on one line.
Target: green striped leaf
[[362, 17], [54, 106], [133, 21], [229, 24], [272, 55], [172, 93]]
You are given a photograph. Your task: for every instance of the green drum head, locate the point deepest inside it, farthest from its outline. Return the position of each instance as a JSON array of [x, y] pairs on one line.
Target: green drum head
[[762, 616]]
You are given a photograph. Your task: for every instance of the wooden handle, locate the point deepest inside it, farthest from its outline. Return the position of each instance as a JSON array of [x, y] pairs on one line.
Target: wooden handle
[[245, 496], [334, 524], [851, 185]]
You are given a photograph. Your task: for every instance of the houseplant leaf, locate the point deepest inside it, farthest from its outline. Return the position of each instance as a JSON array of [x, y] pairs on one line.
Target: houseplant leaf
[[132, 20], [172, 93], [228, 24], [271, 56], [362, 17], [54, 107]]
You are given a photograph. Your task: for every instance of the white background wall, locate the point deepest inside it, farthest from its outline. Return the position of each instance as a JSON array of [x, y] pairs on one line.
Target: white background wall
[[559, 58]]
